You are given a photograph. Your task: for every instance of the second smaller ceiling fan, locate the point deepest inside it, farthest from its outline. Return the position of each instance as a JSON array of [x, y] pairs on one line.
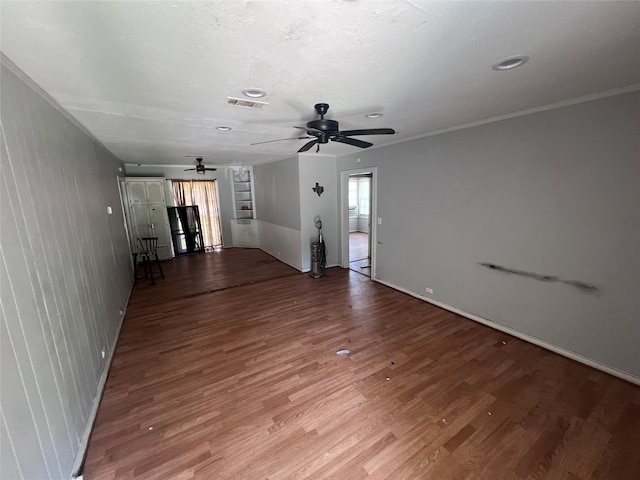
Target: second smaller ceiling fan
[[200, 168]]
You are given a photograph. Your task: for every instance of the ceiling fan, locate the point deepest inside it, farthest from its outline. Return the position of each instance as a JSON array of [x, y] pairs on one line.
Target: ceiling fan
[[200, 168], [325, 130]]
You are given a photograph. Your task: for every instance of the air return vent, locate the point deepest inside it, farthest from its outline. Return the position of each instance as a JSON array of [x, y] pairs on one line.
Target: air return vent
[[239, 102]]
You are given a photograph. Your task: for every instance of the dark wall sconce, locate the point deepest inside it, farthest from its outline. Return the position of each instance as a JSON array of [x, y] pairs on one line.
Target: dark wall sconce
[[318, 189]]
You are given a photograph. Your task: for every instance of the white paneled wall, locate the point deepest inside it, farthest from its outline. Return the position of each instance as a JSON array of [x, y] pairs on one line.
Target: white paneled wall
[[65, 277], [280, 242]]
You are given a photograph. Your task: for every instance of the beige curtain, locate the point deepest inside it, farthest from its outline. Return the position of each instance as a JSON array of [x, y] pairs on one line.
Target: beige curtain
[[202, 193]]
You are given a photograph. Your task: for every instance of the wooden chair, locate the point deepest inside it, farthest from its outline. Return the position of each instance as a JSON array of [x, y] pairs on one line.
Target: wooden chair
[[148, 252]]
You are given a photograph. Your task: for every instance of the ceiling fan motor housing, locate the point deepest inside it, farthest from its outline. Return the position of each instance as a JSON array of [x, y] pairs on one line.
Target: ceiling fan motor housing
[[328, 128]]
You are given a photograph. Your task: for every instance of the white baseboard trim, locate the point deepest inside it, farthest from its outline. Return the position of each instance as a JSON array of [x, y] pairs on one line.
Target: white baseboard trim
[[84, 441], [522, 336], [307, 270], [297, 267]]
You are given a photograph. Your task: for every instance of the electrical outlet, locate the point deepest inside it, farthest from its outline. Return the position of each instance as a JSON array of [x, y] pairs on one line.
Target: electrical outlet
[[429, 290]]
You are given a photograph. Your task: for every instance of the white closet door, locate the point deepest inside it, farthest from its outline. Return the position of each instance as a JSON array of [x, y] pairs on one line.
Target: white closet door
[[155, 192], [157, 217], [141, 221], [149, 213], [137, 191]]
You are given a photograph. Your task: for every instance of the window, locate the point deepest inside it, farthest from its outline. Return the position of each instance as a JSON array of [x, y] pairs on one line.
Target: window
[[353, 197], [363, 196], [359, 191], [202, 193]]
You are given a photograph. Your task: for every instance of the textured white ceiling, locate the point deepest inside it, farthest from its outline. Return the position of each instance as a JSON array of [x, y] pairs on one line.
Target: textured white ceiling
[[150, 79]]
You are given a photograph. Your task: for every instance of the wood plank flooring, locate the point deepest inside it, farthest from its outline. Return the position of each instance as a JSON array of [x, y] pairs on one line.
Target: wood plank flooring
[[358, 246], [359, 260], [227, 369]]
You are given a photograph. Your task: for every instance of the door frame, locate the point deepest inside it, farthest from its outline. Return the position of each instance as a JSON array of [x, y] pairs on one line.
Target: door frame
[[124, 203], [344, 215]]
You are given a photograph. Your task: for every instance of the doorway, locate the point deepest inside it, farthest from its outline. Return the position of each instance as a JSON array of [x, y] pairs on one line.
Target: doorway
[[358, 230]]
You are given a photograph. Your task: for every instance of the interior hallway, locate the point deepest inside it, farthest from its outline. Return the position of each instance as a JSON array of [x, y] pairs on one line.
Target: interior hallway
[[227, 369]]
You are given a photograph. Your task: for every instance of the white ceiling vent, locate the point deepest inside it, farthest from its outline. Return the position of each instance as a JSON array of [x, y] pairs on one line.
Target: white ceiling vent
[[239, 102]]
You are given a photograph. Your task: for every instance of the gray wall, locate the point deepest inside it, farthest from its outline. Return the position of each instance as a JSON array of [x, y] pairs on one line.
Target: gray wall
[[277, 191], [65, 276], [287, 207], [223, 184], [556, 193], [319, 169]]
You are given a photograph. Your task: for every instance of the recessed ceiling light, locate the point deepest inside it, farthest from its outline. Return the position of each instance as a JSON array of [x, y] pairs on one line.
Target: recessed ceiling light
[[511, 62], [374, 115], [223, 128], [254, 92]]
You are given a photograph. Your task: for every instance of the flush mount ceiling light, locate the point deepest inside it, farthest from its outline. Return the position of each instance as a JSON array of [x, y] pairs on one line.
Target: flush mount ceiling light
[[254, 92], [374, 115], [510, 62], [222, 128]]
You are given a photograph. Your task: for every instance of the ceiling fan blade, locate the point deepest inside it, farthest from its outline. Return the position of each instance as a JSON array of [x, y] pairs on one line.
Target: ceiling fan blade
[[282, 139], [369, 131], [211, 169], [309, 129], [307, 146], [352, 141], [189, 169]]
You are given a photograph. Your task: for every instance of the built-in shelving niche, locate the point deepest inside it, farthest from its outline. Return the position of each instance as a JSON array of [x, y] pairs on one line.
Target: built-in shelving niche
[[243, 192]]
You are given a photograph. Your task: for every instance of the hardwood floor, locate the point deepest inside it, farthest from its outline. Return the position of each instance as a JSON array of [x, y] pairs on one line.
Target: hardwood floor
[[359, 260], [358, 246], [227, 369]]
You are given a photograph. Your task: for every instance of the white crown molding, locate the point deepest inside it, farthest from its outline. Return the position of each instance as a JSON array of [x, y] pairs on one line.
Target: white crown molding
[[543, 108]]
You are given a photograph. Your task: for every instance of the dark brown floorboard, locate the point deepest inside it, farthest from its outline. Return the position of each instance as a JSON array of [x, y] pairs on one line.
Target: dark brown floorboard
[[227, 369]]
